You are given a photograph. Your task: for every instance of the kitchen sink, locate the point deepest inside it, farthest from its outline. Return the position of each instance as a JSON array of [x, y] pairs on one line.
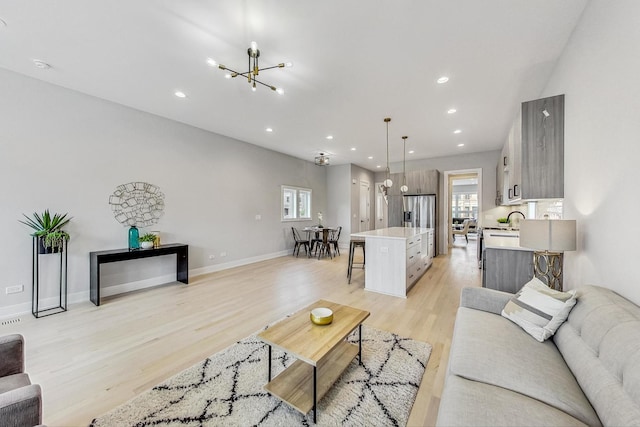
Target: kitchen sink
[[503, 235]]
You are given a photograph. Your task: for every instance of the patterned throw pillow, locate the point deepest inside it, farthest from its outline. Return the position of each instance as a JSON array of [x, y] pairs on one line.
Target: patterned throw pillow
[[538, 309]]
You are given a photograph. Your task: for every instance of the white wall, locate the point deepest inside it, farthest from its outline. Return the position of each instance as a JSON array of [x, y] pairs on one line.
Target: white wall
[[599, 72], [339, 199], [67, 151]]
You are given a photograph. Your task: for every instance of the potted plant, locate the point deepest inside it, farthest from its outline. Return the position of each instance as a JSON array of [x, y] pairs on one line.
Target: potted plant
[[147, 240], [503, 222], [48, 230]]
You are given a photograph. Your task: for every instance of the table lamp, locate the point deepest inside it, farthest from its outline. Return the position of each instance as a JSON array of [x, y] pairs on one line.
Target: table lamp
[[549, 239]]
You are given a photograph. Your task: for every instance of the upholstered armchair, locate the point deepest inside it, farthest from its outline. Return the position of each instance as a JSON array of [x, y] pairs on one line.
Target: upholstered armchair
[[20, 401]]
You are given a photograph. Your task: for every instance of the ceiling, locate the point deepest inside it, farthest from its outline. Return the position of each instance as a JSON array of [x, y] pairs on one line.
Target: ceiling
[[354, 63]]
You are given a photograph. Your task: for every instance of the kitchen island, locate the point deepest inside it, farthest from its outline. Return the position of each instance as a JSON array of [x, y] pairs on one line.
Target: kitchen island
[[396, 258]]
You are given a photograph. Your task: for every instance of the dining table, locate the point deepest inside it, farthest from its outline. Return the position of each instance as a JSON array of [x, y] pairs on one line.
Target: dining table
[[325, 247]]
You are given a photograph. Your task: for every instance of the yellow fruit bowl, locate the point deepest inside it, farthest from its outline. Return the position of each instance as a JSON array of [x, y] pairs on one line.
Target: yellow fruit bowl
[[321, 316]]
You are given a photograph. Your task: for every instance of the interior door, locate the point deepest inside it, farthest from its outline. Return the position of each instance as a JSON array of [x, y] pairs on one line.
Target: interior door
[[381, 207], [365, 206]]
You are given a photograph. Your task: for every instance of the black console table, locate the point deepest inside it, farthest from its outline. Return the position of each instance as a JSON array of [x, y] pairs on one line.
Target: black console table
[[103, 257]]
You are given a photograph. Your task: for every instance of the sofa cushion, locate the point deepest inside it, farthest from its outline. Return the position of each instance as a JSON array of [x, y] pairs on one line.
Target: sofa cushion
[[601, 344], [490, 349], [538, 309], [12, 382], [466, 403]]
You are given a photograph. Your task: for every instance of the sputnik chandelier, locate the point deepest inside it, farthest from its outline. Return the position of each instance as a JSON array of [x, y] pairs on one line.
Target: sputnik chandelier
[[254, 69]]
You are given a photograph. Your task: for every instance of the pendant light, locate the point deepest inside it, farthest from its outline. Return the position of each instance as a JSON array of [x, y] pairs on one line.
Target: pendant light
[[387, 182], [404, 187]]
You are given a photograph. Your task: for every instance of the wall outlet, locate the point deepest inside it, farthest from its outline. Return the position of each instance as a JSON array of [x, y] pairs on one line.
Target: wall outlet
[[223, 254], [14, 289], [212, 256]]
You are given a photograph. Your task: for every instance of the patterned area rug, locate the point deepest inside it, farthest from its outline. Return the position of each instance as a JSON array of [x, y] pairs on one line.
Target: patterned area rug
[[227, 389]]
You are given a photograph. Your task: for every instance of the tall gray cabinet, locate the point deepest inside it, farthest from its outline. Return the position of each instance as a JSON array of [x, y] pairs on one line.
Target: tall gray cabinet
[[542, 171], [531, 165]]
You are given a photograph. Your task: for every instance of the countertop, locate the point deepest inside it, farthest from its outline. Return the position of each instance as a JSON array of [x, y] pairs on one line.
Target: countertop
[[502, 239], [392, 233]]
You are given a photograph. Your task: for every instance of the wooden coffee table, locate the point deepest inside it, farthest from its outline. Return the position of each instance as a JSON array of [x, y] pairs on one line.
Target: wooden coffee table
[[322, 353]]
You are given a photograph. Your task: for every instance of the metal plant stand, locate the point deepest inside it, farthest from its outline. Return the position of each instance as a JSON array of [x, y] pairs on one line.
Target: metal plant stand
[[36, 310]]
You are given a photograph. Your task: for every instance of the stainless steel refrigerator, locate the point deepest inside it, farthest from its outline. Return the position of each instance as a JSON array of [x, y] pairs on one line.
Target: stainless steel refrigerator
[[419, 211]]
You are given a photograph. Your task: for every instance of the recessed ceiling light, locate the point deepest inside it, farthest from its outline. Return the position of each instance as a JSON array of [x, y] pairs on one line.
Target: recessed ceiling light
[[211, 62], [180, 94], [329, 136], [378, 166], [443, 79], [41, 64], [451, 110], [457, 131], [370, 157], [460, 145], [411, 151], [353, 148], [269, 130]]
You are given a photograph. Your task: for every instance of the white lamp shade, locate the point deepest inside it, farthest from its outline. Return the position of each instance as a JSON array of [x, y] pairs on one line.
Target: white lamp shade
[[388, 182], [548, 235]]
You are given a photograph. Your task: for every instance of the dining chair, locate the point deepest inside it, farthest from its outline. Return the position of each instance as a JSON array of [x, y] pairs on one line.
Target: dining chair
[[299, 241], [334, 237]]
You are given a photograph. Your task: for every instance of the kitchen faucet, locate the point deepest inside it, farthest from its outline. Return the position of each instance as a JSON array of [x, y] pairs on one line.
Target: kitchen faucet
[[511, 213]]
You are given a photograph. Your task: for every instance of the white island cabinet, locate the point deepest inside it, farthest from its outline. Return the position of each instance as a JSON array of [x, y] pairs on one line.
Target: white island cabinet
[[396, 258]]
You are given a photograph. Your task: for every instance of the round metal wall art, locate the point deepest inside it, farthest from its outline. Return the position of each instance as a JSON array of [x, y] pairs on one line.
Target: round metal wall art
[[138, 204]]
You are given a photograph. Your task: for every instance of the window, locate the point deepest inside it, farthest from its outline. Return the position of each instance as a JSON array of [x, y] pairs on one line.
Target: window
[[296, 203]]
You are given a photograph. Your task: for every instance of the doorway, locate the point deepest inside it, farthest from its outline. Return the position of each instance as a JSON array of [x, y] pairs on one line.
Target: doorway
[[365, 206], [462, 204]]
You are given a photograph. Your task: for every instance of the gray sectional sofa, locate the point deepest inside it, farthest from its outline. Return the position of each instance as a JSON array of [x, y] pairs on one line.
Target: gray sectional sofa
[[588, 373]]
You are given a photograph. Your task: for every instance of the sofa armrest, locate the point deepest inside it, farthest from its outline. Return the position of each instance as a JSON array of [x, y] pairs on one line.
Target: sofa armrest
[[484, 299], [21, 406], [11, 355]]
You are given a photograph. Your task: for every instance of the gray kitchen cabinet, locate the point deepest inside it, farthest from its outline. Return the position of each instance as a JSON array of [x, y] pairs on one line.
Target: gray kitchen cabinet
[[499, 182], [502, 176], [514, 193], [531, 164], [543, 148], [506, 269]]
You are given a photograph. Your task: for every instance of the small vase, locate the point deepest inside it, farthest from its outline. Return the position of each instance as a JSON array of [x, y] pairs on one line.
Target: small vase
[[146, 245], [134, 237]]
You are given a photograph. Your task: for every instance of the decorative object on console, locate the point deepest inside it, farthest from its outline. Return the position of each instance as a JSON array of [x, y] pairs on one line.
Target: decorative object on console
[[48, 230], [156, 242], [320, 219], [137, 204], [147, 240], [254, 69], [549, 239]]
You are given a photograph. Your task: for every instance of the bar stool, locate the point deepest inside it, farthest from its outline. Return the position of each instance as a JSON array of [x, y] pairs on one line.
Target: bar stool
[[352, 248]]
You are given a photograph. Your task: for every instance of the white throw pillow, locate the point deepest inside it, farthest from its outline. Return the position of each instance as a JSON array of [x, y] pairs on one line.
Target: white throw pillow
[[538, 309]]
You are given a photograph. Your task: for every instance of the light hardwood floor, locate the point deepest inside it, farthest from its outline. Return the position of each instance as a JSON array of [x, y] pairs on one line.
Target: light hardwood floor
[[91, 359]]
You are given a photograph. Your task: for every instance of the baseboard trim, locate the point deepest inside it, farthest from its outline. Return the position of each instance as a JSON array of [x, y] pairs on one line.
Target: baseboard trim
[[237, 263], [83, 296]]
